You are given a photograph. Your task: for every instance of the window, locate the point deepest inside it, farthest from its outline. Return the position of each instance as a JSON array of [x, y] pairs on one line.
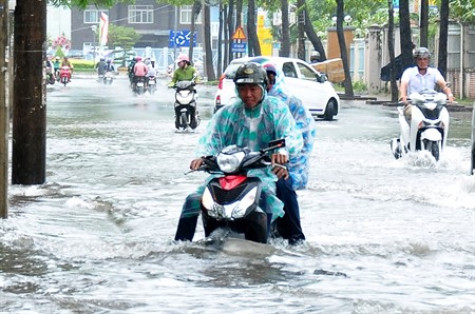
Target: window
[[140, 14], [289, 69], [185, 15], [306, 72], [92, 16]]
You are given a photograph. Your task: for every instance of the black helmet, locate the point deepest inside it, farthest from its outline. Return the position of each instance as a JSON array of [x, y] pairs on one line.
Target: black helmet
[[422, 52], [251, 73]]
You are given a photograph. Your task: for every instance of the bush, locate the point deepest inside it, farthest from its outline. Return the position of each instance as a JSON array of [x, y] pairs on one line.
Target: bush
[[82, 65]]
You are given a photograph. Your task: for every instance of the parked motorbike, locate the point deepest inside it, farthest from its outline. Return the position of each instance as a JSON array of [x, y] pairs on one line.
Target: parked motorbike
[[139, 85], [50, 79], [65, 75], [230, 202], [152, 84], [185, 106], [428, 127], [108, 78]]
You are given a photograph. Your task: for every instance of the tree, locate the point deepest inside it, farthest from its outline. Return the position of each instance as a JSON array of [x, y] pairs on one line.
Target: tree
[[405, 28], [122, 36], [394, 90], [285, 45], [312, 36], [341, 40], [443, 37], [301, 30], [424, 23], [209, 53], [253, 40]]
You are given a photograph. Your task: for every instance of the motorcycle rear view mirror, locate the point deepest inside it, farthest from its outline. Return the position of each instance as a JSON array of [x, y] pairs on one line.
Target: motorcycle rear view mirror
[[276, 144]]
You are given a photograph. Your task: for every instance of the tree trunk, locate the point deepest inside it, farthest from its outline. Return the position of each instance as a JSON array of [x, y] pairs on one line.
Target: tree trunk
[[285, 46], [195, 11], [29, 110], [312, 36], [424, 23], [392, 57], [301, 30], [341, 40], [4, 116], [209, 52], [406, 36], [220, 40], [443, 37], [253, 40], [230, 25]]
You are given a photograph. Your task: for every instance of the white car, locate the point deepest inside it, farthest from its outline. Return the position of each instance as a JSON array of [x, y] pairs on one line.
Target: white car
[[312, 87]]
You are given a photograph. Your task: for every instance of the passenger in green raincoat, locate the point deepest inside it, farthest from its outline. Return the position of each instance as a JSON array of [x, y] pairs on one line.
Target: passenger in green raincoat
[[253, 120]]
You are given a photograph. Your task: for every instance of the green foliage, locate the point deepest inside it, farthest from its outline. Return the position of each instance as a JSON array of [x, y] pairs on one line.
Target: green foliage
[[122, 36], [84, 3], [80, 65]]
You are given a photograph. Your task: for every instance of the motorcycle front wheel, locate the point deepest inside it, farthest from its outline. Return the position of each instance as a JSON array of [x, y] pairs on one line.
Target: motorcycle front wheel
[[433, 148]]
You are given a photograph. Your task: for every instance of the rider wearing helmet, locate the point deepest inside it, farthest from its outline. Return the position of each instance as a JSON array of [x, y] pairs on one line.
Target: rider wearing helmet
[[289, 226], [421, 77], [101, 66], [110, 67], [57, 65], [185, 72], [315, 57], [253, 121]]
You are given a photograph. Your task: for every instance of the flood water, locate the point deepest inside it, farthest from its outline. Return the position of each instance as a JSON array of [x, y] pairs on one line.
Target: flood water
[[383, 235]]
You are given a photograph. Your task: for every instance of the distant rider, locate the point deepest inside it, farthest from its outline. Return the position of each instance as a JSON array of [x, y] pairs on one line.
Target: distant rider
[[185, 72], [57, 65], [421, 77], [252, 121], [101, 67], [315, 57], [109, 66], [140, 71]]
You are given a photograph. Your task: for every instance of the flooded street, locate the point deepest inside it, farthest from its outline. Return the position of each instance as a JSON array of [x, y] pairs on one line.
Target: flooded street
[[383, 235]]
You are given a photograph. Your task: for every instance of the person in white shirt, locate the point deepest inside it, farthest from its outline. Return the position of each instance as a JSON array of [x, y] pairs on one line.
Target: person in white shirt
[[421, 77]]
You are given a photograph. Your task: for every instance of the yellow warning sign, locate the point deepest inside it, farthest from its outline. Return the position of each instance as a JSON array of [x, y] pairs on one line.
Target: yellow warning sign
[[239, 33]]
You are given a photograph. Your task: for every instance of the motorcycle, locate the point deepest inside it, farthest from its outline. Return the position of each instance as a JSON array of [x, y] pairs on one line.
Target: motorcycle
[[139, 85], [65, 75], [185, 106], [108, 78], [230, 203], [152, 84], [428, 127], [50, 79]]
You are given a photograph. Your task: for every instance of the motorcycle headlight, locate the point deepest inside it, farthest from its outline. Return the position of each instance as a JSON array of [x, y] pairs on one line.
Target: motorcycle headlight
[[207, 199], [240, 209], [230, 163]]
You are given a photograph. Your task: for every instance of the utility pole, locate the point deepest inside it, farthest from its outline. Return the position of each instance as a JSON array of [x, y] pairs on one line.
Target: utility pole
[[29, 104], [4, 113]]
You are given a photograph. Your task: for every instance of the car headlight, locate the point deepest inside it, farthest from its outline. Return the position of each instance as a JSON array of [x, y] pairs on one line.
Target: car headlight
[[230, 163]]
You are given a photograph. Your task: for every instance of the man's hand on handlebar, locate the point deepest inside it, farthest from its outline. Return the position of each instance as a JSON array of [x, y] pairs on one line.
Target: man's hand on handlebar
[[196, 163], [278, 165]]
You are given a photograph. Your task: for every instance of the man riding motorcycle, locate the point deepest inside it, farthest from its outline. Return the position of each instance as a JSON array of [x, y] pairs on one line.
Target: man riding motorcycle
[[421, 77], [185, 72], [253, 121], [140, 71]]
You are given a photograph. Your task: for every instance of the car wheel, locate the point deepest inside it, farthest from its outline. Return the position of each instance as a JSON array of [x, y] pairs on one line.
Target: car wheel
[[330, 110]]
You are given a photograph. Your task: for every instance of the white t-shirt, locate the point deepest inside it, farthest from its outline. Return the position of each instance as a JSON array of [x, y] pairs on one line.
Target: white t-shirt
[[418, 82]]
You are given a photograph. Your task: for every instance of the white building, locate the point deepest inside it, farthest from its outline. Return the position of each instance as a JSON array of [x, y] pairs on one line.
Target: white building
[[58, 22]]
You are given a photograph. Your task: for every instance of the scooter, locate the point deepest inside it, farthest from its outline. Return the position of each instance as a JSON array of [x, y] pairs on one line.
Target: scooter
[[428, 127], [185, 106], [65, 75], [108, 78], [139, 85], [230, 203], [152, 84]]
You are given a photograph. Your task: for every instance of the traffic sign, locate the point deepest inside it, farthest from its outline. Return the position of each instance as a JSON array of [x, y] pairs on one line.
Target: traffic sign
[[239, 34], [239, 47], [181, 39]]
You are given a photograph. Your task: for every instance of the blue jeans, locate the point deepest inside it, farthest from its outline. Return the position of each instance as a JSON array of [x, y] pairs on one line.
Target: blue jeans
[[288, 226]]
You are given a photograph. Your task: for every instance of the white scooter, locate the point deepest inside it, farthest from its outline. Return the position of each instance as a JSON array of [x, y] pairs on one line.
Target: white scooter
[[428, 127]]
